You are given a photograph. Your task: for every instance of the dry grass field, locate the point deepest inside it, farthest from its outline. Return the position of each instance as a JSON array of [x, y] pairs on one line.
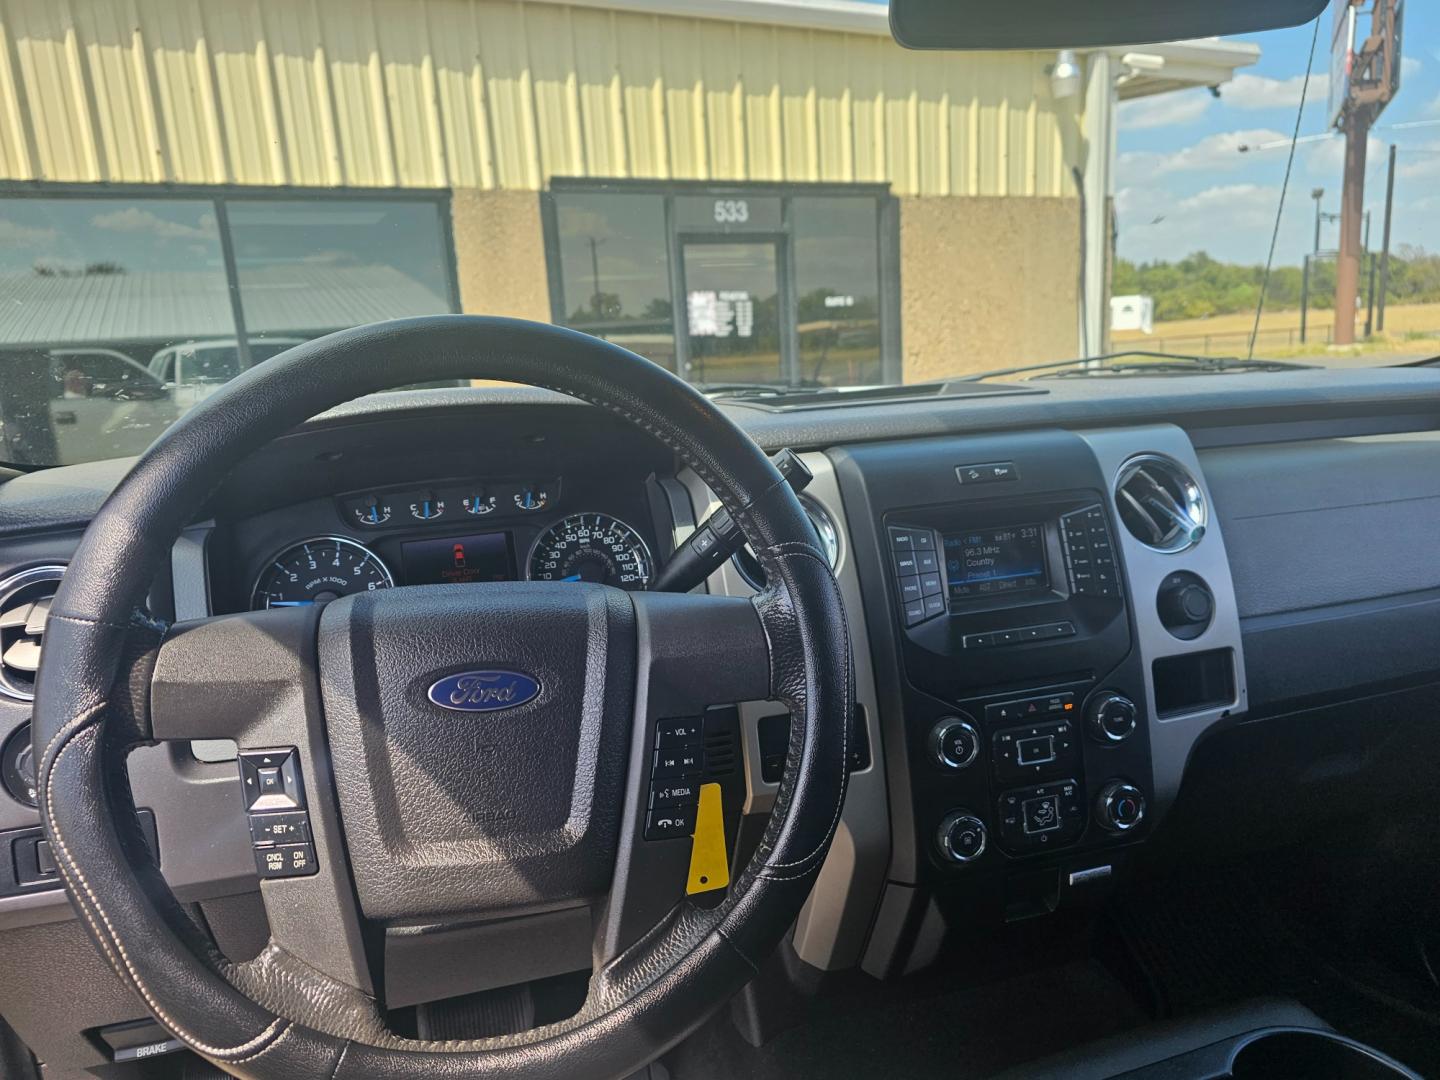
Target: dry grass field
[[1408, 328]]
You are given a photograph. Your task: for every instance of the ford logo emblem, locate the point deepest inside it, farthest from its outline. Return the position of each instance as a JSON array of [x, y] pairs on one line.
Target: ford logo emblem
[[483, 691]]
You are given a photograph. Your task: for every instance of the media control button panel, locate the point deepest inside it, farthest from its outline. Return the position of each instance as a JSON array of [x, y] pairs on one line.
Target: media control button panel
[[675, 769], [275, 807], [915, 565]]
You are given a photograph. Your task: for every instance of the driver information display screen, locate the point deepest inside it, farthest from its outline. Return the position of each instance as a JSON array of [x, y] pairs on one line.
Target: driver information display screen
[[452, 560], [989, 562]]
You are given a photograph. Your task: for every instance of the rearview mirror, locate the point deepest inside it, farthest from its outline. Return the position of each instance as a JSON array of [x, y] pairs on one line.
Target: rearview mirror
[[1060, 24]]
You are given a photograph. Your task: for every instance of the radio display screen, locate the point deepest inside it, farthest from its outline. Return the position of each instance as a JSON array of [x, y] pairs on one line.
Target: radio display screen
[[451, 560], [996, 561]]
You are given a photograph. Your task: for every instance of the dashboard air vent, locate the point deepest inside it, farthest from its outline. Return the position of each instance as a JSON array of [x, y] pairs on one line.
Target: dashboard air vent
[[829, 536], [24, 606], [1160, 503]]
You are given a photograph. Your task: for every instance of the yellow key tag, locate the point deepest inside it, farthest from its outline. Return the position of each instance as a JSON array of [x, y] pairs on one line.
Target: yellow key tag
[[709, 863]]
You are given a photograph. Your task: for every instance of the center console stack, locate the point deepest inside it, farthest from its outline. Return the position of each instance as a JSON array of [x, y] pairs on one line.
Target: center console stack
[[1019, 710]]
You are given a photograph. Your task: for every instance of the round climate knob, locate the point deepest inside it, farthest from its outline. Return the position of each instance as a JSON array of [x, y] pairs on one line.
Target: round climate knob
[[1185, 605], [1120, 806], [954, 742], [961, 837], [1110, 717]]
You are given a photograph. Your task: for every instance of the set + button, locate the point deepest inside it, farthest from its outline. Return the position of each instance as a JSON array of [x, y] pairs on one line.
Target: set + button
[[280, 834]]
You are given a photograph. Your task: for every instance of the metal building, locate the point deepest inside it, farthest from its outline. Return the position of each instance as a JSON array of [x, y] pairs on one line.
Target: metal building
[[742, 189]]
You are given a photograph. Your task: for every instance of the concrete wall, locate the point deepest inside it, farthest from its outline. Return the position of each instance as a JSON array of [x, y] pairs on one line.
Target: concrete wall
[[500, 253], [987, 282]]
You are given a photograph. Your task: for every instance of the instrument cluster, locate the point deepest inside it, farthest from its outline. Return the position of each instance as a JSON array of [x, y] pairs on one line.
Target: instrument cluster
[[453, 532]]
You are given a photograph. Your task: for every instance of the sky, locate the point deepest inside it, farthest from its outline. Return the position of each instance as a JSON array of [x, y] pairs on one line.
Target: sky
[[1182, 186]]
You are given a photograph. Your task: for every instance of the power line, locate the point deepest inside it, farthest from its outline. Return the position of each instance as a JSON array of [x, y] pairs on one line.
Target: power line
[[1284, 186]]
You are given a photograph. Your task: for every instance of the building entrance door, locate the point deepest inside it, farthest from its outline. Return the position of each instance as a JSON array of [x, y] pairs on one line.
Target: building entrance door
[[735, 308]]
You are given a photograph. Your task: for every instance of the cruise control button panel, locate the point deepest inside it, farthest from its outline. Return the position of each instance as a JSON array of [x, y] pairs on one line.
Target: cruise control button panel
[[285, 861], [279, 823]]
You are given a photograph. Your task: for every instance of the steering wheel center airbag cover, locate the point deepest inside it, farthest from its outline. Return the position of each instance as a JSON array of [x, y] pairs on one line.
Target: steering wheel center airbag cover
[[448, 811]]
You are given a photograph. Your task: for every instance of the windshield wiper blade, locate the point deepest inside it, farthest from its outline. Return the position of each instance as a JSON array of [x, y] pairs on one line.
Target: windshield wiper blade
[[1159, 362], [1216, 366], [755, 389]]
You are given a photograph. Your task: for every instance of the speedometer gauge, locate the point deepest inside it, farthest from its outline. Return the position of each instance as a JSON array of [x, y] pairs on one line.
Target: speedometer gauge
[[320, 569], [591, 547]]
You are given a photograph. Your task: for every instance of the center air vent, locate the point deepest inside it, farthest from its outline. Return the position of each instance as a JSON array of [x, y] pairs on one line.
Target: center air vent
[[1160, 503], [24, 607]]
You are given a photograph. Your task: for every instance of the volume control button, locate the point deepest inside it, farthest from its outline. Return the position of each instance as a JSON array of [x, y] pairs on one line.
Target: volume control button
[[954, 742]]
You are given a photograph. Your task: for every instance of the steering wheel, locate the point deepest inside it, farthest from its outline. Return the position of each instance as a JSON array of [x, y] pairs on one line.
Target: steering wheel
[[419, 812]]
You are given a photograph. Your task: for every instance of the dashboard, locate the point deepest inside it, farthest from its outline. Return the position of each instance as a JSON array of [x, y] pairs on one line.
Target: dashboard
[[1057, 603]]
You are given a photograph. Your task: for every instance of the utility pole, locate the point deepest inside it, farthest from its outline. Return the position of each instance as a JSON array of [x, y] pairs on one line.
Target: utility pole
[[1385, 245], [1305, 293], [1352, 195], [595, 275], [1370, 286], [1374, 78]]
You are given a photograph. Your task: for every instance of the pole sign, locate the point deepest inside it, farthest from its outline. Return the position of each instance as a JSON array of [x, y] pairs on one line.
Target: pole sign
[[1342, 58]]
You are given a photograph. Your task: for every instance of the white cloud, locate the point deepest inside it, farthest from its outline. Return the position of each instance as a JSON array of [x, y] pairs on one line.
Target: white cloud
[[12, 232], [1434, 107], [134, 220], [1327, 157], [1231, 222], [1252, 92], [1220, 151], [1164, 110]]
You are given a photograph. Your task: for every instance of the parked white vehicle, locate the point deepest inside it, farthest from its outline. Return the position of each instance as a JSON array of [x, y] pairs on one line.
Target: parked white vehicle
[[195, 369]]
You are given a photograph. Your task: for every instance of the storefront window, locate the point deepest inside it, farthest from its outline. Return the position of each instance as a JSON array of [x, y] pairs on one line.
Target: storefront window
[[91, 292], [122, 307], [308, 267], [837, 281], [614, 271], [769, 285]]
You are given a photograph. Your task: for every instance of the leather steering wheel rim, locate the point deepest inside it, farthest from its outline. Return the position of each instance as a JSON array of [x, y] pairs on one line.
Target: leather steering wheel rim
[[275, 1017]]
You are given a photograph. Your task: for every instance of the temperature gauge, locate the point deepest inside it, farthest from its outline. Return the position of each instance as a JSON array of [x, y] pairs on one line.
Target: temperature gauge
[[478, 503], [370, 510], [532, 497], [427, 507]]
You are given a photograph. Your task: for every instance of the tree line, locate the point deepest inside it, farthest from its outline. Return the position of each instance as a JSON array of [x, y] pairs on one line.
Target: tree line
[[1198, 286]]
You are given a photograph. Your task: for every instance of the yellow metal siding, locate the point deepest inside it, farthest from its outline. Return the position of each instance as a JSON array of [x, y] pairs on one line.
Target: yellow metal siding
[[504, 94]]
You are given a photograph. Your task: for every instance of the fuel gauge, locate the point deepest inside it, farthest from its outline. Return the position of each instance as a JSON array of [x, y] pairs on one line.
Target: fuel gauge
[[478, 503]]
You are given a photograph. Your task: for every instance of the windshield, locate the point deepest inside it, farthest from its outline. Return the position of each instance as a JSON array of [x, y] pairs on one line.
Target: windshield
[[763, 201]]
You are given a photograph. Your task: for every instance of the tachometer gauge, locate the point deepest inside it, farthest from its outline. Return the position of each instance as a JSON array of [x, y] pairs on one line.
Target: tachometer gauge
[[591, 547], [320, 569]]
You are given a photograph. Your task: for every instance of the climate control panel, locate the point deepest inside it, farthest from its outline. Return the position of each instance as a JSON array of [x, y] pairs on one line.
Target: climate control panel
[[1013, 777]]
